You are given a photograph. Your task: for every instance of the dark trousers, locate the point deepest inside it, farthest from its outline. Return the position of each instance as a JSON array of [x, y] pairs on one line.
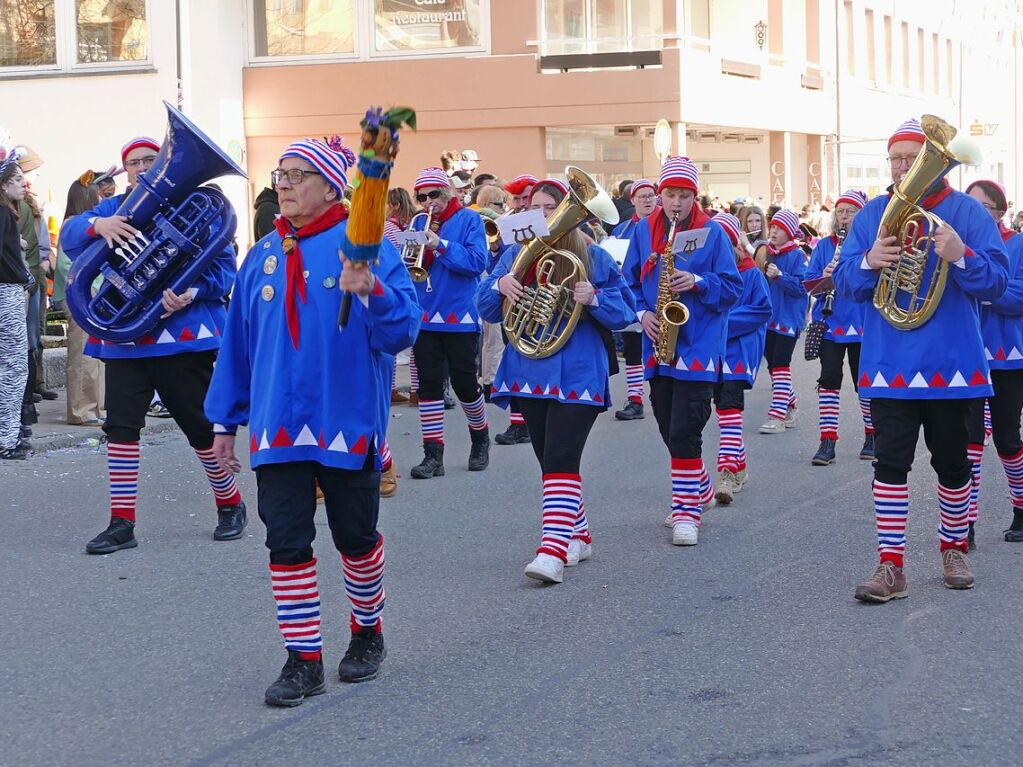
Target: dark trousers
[[632, 346], [897, 425], [730, 395], [287, 506], [182, 380], [832, 355], [682, 409], [433, 349], [1005, 413], [558, 432], [778, 350]]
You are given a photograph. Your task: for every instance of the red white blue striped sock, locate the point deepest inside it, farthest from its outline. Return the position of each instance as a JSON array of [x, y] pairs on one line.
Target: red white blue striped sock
[[731, 448], [476, 413], [1013, 465], [827, 408], [954, 507], [581, 530], [634, 383], [706, 488], [413, 372], [562, 498], [987, 418], [685, 490], [781, 393], [431, 420], [891, 508], [298, 607], [868, 421], [225, 489], [515, 417], [123, 473], [386, 461], [364, 585], [975, 453]]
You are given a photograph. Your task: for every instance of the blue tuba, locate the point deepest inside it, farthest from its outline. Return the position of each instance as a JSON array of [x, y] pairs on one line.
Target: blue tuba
[[182, 227]]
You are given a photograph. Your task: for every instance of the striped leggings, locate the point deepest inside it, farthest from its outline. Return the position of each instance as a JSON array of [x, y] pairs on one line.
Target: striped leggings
[[13, 362]]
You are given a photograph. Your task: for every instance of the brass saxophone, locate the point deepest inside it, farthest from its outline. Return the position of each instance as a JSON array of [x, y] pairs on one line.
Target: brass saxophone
[[671, 312]]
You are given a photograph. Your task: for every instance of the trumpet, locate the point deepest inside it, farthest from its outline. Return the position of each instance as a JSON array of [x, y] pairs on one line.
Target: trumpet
[[413, 254]]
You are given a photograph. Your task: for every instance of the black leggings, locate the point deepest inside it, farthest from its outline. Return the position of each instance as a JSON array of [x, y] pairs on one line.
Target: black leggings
[[1005, 413], [682, 409], [897, 427], [182, 380], [558, 432], [832, 354], [458, 350], [730, 395], [778, 350], [632, 345]]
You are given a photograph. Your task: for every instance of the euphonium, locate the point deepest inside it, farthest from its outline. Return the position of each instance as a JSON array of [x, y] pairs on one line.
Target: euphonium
[[492, 231], [671, 313], [413, 253], [915, 227], [182, 227], [540, 323]]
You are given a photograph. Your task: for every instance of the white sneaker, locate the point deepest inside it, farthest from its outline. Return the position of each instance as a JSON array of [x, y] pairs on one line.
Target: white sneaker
[[772, 426], [546, 568], [684, 534], [791, 417], [578, 552], [669, 520]]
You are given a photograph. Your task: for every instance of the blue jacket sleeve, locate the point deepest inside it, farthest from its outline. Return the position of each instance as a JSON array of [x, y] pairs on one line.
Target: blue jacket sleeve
[[216, 282], [854, 281], [633, 265], [470, 256], [489, 300], [229, 393], [817, 263], [613, 310], [754, 310], [1011, 301], [75, 234], [394, 311], [985, 272], [722, 286]]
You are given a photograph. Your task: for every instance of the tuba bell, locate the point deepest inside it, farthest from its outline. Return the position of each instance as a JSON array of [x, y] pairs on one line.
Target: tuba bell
[[540, 323], [915, 227], [182, 227]]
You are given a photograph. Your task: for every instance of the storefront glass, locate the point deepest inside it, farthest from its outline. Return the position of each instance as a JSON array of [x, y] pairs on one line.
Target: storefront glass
[[425, 25], [304, 27]]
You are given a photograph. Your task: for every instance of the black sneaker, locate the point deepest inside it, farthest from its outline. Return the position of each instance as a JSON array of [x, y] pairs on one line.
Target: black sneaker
[[433, 462], [365, 654], [36, 397], [231, 524], [17, 453], [825, 455], [867, 451], [479, 453], [47, 394], [120, 534], [517, 434], [299, 679], [1015, 532], [631, 412], [25, 431]]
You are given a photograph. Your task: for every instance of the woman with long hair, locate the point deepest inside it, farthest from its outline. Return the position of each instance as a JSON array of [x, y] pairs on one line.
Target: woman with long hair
[[14, 277], [560, 396]]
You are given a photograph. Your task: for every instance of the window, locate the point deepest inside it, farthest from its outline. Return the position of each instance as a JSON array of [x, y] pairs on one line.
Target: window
[[935, 65], [871, 48], [601, 26], [423, 25], [304, 27], [905, 55], [850, 38], [66, 35], [948, 67], [921, 70], [888, 49]]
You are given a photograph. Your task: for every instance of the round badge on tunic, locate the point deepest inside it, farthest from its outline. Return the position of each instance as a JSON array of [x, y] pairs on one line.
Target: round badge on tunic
[[305, 275], [268, 292], [266, 245], [329, 282], [270, 265]]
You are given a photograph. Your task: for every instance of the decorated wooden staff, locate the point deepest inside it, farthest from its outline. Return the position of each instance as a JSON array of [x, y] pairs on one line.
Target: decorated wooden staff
[[379, 147]]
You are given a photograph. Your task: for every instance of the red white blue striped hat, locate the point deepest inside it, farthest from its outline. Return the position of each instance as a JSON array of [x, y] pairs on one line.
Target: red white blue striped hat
[[641, 183], [730, 224], [135, 143], [432, 177], [853, 197], [519, 184], [681, 173], [333, 166], [561, 186], [788, 221], [908, 131]]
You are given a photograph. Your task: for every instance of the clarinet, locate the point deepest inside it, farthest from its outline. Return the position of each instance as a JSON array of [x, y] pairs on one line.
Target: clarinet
[[828, 303]]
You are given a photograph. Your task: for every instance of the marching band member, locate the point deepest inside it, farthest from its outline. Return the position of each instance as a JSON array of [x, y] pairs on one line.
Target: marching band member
[[754, 225], [1001, 326], [709, 284], [747, 328], [456, 255], [644, 197], [560, 395], [918, 377], [841, 340], [318, 427], [520, 189], [785, 270], [176, 356]]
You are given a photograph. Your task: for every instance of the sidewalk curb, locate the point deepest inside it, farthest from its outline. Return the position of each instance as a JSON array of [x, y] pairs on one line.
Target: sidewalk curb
[[50, 442]]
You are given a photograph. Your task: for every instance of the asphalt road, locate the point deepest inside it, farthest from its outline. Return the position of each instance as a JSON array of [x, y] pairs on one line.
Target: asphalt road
[[747, 649]]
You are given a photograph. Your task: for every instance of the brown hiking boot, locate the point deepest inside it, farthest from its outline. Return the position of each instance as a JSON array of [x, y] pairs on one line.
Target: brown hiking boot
[[887, 582], [957, 569], [727, 487]]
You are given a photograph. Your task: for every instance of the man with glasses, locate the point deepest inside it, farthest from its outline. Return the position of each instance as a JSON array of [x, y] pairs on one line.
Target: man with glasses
[[924, 377], [176, 356], [456, 255]]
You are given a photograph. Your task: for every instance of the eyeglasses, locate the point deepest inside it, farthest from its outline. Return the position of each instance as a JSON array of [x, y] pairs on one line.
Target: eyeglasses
[[295, 176], [429, 195], [898, 162], [645, 197], [497, 205], [989, 206], [141, 162]]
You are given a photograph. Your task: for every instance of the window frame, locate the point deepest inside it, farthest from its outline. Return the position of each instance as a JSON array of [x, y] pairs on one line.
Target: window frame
[[66, 49], [590, 42]]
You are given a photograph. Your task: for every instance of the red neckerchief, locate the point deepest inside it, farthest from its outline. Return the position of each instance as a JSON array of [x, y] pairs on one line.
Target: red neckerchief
[[936, 196], [635, 218], [1006, 232], [834, 240], [291, 237], [746, 263], [788, 246], [453, 207], [659, 223]]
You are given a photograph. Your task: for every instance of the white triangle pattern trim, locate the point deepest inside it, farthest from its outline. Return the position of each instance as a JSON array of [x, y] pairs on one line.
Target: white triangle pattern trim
[[504, 386], [1014, 354], [681, 365], [436, 317], [264, 444], [339, 445], [204, 332], [165, 338], [918, 382], [468, 320], [987, 354], [957, 380], [879, 381], [305, 437], [726, 368], [586, 397], [852, 331]]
